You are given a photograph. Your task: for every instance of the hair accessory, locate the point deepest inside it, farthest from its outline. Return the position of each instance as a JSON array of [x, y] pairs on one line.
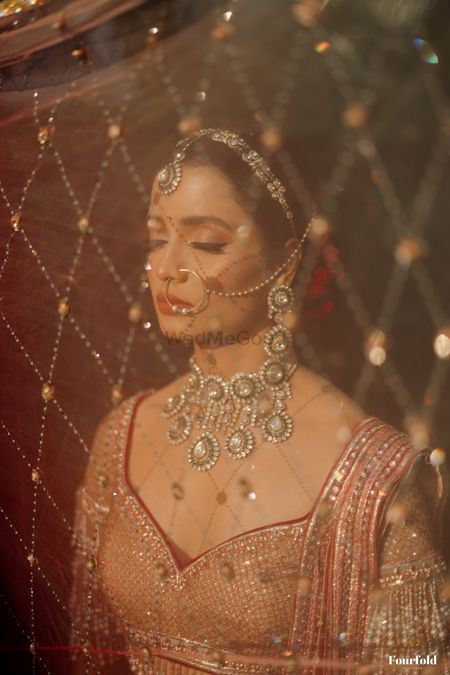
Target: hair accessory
[[170, 175]]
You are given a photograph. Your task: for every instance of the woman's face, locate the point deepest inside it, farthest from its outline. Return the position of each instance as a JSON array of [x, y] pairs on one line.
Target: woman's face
[[201, 227]]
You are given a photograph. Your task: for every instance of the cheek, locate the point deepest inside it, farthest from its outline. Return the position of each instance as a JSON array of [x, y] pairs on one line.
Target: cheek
[[238, 272], [233, 314]]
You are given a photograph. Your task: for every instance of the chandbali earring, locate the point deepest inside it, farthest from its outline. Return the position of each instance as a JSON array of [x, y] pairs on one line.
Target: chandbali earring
[[181, 309], [236, 406]]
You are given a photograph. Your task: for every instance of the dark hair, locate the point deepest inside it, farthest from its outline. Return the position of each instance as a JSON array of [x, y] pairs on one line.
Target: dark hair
[[250, 191]]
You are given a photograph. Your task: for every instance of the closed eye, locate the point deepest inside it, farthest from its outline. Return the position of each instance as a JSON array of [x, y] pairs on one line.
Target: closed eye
[[155, 243], [208, 246], [211, 247]]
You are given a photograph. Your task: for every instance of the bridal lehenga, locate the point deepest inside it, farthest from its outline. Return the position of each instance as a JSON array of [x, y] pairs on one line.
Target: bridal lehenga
[[351, 585]]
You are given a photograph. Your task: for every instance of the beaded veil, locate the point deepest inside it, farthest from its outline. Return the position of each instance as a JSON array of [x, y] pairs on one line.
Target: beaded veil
[[315, 543]]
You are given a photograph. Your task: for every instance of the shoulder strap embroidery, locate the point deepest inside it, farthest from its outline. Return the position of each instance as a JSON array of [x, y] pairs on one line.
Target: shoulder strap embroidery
[[338, 560]]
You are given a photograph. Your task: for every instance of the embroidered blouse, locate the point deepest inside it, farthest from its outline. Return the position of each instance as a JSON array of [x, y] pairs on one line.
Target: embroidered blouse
[[358, 580]]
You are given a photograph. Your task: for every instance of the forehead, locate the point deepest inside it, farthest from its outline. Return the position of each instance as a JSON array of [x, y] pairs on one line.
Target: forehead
[[202, 189]]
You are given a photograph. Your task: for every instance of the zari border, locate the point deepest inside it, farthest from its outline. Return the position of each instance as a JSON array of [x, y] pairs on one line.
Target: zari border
[[339, 555]]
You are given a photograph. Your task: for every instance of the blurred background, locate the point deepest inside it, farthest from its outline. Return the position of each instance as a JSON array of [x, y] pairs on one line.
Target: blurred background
[[350, 98]]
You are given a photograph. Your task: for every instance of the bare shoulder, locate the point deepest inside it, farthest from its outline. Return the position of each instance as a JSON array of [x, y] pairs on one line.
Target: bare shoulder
[[323, 405]]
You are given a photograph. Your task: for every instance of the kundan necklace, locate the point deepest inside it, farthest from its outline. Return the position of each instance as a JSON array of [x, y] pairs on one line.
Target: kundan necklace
[[238, 405]]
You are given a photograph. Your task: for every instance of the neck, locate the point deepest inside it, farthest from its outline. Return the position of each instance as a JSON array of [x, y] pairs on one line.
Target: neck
[[244, 355]]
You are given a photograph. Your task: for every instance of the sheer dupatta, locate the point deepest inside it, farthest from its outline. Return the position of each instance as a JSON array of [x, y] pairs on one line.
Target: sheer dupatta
[[340, 612], [98, 637], [338, 616]]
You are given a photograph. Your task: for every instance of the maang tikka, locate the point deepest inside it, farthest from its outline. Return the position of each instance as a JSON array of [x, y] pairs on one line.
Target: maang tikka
[[169, 177], [237, 406]]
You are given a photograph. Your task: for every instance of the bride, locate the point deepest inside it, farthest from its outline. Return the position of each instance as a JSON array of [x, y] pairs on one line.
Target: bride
[[249, 517]]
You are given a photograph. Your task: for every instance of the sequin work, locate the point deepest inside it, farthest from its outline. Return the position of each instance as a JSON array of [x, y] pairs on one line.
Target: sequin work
[[250, 604]]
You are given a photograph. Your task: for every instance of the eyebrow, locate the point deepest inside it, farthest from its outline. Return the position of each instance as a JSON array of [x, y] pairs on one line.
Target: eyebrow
[[197, 220]]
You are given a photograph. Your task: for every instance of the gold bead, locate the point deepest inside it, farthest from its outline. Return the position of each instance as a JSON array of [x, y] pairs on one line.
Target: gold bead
[[222, 31], [80, 53], [319, 228], [45, 133], [33, 647], [135, 312], [177, 491], [116, 394], [245, 488], [103, 480], [90, 564], [86, 648], [84, 224], [355, 115], [441, 343], [63, 307], [408, 250], [271, 139], [290, 662], [48, 392], [36, 476], [375, 347], [114, 131], [152, 36], [60, 23], [418, 429], [15, 221], [221, 497], [188, 125], [31, 559], [306, 11]]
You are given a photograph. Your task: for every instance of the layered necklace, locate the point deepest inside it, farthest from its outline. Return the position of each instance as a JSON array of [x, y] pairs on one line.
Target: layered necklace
[[209, 405]]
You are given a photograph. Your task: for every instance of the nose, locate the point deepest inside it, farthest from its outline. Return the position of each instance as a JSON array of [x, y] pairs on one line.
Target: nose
[[168, 264]]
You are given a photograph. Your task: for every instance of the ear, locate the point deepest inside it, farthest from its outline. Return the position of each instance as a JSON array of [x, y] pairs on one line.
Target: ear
[[292, 248]]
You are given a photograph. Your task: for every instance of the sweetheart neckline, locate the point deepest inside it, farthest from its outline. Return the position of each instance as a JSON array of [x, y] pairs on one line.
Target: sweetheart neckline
[[165, 540]]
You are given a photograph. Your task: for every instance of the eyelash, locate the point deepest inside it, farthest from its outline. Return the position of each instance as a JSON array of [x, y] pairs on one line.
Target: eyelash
[[203, 246]]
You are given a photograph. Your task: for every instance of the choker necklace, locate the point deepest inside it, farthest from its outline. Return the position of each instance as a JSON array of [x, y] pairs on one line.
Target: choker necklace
[[234, 407]]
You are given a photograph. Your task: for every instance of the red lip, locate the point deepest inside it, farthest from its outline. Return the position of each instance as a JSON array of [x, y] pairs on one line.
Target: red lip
[[165, 308]]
